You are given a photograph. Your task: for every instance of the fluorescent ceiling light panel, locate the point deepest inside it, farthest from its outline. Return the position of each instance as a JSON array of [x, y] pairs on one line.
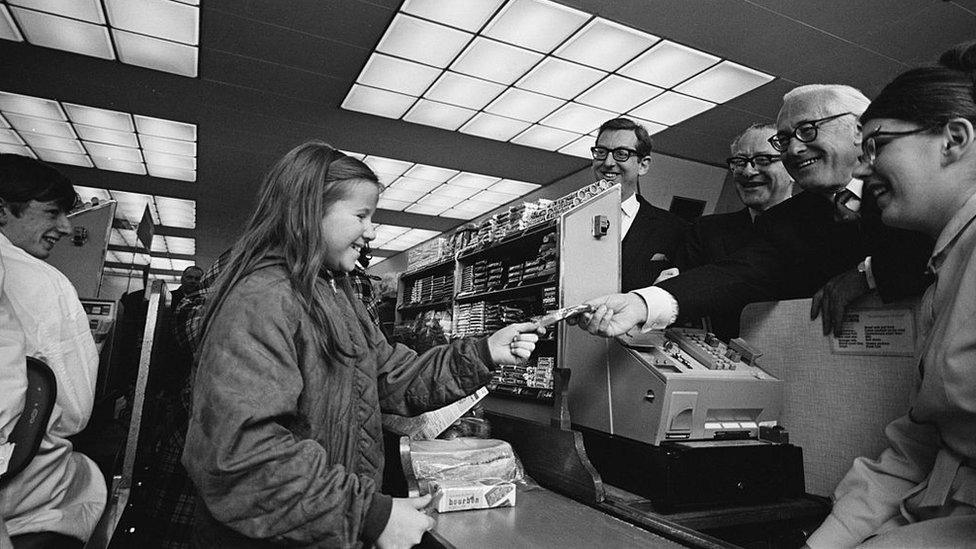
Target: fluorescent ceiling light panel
[[133, 204], [560, 78], [62, 157], [166, 128], [390, 204], [86, 10], [102, 118], [495, 61], [469, 15], [182, 264], [41, 141], [580, 147], [155, 158], [671, 108], [156, 53], [667, 64], [524, 105], [172, 173], [463, 91], [114, 165], [51, 31], [651, 127], [390, 73], [22, 150], [8, 29], [618, 94], [3, 121], [376, 101], [117, 237], [539, 25], [474, 181], [418, 185], [422, 41], [181, 245], [494, 127], [31, 106], [455, 213], [454, 191], [402, 194], [176, 212], [723, 82], [44, 126], [493, 197], [542, 137], [161, 263], [160, 18], [439, 115], [440, 201], [11, 137], [605, 45], [389, 231], [511, 186], [112, 152], [430, 173], [424, 209], [387, 165], [475, 207], [102, 135], [578, 118], [169, 146], [396, 246], [126, 258]]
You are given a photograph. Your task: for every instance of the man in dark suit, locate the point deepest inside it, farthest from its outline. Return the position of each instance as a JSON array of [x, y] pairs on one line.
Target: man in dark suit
[[189, 282], [803, 243], [651, 236], [761, 182]]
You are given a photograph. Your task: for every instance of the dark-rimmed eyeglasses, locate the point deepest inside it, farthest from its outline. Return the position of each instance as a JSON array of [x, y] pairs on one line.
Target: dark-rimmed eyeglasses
[[620, 154], [869, 146], [805, 132], [738, 163]]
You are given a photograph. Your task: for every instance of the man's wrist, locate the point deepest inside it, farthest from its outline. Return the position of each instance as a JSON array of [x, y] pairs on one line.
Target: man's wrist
[[660, 306]]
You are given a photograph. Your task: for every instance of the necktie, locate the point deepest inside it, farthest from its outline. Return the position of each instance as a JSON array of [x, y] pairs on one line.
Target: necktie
[[846, 206]]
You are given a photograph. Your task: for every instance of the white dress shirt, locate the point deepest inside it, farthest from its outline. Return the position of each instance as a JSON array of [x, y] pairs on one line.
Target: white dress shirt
[[628, 211], [60, 490]]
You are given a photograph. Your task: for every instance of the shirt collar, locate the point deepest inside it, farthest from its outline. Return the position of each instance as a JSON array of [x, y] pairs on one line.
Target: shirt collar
[[960, 220], [630, 206]]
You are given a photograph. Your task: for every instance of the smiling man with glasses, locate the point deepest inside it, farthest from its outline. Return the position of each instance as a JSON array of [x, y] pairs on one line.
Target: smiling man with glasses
[[800, 249], [651, 236]]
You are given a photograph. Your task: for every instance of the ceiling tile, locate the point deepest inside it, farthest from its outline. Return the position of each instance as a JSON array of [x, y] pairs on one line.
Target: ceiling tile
[[86, 10], [723, 82], [439, 115], [667, 64], [559, 78], [415, 185], [37, 140], [40, 125], [539, 25], [542, 137], [671, 108], [159, 18], [463, 91], [103, 118], [469, 15], [31, 106], [494, 127], [524, 105], [390, 73], [102, 135], [605, 45], [170, 129], [51, 31], [8, 29], [422, 41], [62, 157], [618, 94], [430, 173], [156, 53], [577, 118], [495, 61], [376, 101]]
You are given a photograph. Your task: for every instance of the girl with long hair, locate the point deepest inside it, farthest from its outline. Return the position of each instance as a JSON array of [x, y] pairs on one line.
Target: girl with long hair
[[284, 444]]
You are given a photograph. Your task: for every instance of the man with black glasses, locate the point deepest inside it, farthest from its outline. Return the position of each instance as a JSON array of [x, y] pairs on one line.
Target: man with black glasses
[[761, 182], [651, 236], [806, 245]]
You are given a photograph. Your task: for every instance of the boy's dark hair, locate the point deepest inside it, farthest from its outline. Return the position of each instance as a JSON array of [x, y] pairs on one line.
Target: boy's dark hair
[[23, 179]]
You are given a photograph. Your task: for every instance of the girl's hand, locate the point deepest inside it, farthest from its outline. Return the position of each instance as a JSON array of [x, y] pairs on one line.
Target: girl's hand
[[514, 343], [407, 523]]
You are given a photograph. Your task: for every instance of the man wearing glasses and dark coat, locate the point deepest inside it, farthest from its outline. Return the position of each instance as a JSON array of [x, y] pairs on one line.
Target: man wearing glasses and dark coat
[[652, 237], [821, 242]]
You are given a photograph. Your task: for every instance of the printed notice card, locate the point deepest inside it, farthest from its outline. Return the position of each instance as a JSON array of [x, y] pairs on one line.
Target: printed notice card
[[880, 332]]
